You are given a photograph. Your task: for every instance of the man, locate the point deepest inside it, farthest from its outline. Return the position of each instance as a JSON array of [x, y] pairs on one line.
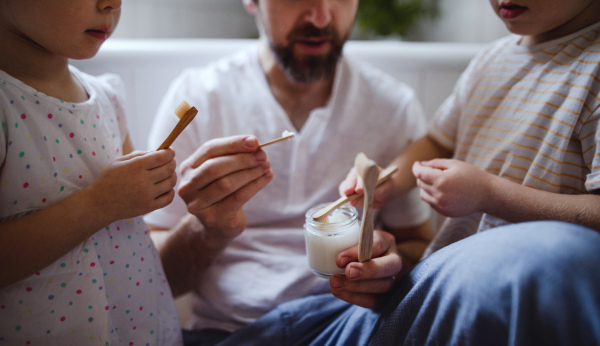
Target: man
[[236, 229]]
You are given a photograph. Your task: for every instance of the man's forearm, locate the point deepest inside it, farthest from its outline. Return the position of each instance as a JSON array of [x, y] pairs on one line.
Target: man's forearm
[[187, 252]]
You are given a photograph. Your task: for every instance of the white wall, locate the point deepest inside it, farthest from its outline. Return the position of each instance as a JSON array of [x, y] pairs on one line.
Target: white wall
[[470, 21], [185, 19]]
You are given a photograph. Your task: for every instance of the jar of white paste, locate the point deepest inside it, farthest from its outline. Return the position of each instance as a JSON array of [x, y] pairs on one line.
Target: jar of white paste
[[325, 240]]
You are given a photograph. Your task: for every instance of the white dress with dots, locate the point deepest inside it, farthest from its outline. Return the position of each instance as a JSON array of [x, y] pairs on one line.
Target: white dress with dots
[[110, 289]]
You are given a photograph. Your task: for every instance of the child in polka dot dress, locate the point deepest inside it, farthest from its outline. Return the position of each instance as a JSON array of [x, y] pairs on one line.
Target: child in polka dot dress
[[77, 266]]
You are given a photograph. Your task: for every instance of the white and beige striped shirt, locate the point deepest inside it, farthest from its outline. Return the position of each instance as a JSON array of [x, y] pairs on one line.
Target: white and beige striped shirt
[[527, 114]]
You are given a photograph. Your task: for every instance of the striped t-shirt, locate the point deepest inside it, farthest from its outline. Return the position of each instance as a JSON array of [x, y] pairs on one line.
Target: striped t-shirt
[[527, 114]]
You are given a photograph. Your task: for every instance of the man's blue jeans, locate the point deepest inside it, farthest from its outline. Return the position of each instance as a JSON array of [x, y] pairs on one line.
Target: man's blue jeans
[[535, 283]]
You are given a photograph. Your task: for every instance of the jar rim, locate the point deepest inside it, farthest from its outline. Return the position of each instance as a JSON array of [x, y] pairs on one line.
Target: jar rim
[[347, 209]]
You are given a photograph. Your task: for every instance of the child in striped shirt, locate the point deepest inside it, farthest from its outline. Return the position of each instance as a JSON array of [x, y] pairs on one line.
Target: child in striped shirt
[[518, 139]]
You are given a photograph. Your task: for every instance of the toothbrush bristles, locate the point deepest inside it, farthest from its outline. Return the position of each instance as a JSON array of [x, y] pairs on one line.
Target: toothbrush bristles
[[181, 109]]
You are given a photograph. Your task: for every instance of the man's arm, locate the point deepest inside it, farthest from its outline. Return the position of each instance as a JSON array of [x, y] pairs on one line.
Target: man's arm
[[216, 181], [187, 251]]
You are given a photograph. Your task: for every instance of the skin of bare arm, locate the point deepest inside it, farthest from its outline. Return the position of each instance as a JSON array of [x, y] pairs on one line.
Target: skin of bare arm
[[216, 182], [133, 185], [456, 188]]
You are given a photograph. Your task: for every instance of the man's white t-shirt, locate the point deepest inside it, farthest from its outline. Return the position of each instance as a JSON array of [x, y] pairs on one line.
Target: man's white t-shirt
[[368, 112]]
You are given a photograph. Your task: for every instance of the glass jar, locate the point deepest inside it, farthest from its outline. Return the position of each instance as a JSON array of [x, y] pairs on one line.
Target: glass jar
[[325, 240]]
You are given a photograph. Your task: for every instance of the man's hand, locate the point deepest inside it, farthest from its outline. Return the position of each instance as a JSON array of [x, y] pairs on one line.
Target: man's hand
[[354, 184], [219, 178], [366, 284]]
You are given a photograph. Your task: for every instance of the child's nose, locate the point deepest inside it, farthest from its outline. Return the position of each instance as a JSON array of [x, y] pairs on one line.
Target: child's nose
[[110, 5]]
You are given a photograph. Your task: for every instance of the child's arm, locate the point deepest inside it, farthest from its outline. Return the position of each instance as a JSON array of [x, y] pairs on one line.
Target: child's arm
[[133, 185], [455, 188]]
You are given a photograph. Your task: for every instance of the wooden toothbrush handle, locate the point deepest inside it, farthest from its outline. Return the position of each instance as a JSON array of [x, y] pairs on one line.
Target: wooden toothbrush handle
[[181, 125], [369, 173]]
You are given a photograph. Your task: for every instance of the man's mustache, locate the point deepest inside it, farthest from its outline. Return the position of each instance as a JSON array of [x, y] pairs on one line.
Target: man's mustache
[[311, 31]]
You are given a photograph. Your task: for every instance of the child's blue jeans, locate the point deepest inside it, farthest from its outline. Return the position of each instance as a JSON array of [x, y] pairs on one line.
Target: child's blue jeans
[[535, 283]]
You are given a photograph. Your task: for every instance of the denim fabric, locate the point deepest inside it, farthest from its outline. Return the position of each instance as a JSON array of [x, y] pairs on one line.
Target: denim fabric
[[204, 337], [314, 320], [532, 283]]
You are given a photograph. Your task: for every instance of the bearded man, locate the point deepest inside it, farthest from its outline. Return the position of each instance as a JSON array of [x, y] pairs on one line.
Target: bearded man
[[234, 234]]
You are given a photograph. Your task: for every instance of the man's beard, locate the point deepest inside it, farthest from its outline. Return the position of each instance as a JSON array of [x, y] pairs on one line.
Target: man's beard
[[314, 67]]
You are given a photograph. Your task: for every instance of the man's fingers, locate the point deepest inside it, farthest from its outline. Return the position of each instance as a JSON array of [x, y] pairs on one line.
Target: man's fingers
[[241, 186], [229, 207], [385, 262], [348, 185], [376, 268], [221, 147], [377, 286], [220, 167], [359, 295]]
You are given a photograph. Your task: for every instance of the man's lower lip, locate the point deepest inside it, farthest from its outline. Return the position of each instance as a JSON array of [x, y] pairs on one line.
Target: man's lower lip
[[100, 35], [511, 12], [314, 48]]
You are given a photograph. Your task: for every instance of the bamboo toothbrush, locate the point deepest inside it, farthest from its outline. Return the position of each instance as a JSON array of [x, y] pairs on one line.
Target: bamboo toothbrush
[[185, 113], [284, 136], [368, 171], [322, 214]]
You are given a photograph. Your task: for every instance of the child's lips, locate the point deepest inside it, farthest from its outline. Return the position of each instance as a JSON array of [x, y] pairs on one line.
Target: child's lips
[[100, 34], [511, 11]]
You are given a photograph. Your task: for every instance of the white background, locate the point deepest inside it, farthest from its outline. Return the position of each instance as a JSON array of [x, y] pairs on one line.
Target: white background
[[460, 21]]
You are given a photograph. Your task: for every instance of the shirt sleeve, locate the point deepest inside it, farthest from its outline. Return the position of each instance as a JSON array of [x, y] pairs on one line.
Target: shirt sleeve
[[117, 92], [590, 145], [407, 210]]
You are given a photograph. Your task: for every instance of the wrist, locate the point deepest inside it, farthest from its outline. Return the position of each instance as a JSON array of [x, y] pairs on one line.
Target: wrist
[[202, 238]]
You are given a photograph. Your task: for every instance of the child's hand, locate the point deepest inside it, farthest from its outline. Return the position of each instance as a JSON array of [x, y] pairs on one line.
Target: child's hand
[[136, 184], [452, 187], [354, 184]]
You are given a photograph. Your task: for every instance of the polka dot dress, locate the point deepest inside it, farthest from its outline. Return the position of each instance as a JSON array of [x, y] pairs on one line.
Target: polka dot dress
[[110, 289]]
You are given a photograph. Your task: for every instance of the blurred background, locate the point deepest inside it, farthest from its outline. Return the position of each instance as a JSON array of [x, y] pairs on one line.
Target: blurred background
[[410, 20]]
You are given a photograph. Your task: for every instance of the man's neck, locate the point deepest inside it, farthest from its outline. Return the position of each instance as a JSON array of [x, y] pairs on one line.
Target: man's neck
[[297, 99]]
